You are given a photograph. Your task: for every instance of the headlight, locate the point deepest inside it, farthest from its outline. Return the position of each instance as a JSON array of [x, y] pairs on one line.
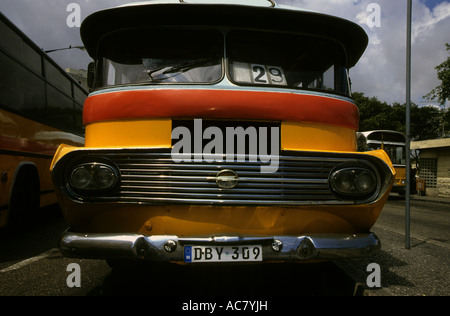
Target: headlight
[[93, 177], [356, 182]]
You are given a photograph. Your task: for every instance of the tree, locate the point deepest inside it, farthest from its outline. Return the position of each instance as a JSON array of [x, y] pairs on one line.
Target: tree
[[442, 92], [373, 114], [425, 122], [376, 115]]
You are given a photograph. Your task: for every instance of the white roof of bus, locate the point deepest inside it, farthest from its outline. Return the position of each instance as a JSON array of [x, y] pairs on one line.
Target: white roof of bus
[[255, 3], [380, 131]]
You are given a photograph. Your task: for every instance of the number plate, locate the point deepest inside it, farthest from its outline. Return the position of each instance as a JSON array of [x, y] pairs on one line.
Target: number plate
[[263, 74], [222, 253]]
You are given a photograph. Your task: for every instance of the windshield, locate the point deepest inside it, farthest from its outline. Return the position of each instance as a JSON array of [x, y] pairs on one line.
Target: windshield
[[196, 56], [283, 60], [162, 56], [396, 153]]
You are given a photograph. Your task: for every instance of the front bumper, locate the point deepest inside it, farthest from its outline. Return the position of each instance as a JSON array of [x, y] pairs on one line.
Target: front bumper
[[167, 248]]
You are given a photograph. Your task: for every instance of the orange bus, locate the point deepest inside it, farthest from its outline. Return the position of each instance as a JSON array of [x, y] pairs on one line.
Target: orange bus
[[220, 133], [40, 108], [394, 144]]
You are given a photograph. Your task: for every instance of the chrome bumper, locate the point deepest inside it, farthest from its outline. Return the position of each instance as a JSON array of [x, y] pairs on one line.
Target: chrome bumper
[[167, 248]]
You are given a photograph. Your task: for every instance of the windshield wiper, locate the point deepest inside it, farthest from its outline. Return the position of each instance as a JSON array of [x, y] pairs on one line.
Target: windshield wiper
[[180, 68]]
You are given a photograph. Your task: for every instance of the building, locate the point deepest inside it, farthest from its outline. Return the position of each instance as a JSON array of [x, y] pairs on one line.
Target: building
[[80, 76], [434, 165]]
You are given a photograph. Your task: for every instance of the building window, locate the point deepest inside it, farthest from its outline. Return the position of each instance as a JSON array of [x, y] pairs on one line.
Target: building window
[[428, 171]]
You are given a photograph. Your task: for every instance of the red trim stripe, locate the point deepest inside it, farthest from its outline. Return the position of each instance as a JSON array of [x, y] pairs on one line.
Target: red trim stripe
[[26, 146], [223, 104]]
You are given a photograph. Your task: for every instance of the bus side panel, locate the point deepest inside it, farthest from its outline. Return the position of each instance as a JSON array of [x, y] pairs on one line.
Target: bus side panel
[[26, 142]]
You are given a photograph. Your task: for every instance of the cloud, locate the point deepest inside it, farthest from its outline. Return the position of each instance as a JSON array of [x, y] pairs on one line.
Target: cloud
[[426, 23], [380, 72]]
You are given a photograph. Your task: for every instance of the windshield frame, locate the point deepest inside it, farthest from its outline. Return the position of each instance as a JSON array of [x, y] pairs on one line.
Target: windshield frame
[[343, 53], [102, 60], [225, 62]]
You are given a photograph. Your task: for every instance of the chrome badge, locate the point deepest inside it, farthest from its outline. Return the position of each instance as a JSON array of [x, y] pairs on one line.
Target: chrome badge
[[227, 179]]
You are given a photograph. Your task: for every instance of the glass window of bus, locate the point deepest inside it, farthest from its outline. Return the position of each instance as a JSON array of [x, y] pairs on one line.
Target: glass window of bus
[[16, 47], [79, 126], [22, 91], [284, 60], [10, 41], [79, 95], [396, 153], [60, 109], [161, 56], [57, 78]]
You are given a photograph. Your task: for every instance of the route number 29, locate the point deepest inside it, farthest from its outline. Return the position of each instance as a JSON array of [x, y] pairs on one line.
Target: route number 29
[[262, 74]]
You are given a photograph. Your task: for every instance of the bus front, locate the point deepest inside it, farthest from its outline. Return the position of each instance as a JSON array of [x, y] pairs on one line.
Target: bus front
[[220, 133]]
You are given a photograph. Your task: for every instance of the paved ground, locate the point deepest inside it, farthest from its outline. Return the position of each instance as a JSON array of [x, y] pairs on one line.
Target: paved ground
[[422, 270]]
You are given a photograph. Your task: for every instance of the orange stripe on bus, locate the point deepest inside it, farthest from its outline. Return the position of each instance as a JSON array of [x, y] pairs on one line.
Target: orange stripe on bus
[[225, 104]]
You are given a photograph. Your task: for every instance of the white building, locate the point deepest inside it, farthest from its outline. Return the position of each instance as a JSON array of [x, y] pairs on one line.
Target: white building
[[434, 165]]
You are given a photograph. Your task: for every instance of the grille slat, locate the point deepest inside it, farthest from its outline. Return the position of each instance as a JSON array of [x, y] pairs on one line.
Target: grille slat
[[155, 178]]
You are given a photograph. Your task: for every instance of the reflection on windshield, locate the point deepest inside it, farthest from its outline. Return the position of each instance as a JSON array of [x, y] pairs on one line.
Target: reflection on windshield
[[262, 58], [162, 56], [182, 70], [170, 56], [396, 153]]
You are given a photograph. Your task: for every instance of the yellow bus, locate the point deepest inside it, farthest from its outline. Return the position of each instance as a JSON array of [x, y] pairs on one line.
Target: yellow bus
[[220, 133], [394, 144], [40, 108]]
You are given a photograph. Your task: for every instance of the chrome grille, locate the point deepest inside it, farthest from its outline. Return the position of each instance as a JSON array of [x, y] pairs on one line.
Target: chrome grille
[[156, 178]]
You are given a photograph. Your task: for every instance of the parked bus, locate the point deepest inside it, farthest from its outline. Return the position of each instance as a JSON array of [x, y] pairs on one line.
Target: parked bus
[[393, 143], [40, 108], [220, 133]]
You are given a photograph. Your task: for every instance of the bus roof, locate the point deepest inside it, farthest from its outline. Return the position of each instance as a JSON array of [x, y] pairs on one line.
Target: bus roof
[[255, 14], [384, 135], [258, 3]]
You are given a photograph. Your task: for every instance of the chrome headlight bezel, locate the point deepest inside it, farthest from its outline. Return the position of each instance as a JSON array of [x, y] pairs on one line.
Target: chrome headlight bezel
[[358, 181], [92, 176]]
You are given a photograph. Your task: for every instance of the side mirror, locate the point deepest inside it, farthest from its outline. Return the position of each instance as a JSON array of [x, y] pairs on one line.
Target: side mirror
[[91, 75]]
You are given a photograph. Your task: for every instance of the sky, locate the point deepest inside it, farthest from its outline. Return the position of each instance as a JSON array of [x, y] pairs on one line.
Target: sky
[[381, 72]]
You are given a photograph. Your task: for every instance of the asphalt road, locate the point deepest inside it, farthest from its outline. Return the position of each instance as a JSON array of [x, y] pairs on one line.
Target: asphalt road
[[422, 270], [31, 265]]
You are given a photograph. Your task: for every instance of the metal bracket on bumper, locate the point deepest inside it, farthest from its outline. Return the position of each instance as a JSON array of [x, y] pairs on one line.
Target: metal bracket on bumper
[[167, 248]]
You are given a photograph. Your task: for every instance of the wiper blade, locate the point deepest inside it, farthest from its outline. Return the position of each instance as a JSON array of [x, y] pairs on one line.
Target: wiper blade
[[180, 68], [186, 66]]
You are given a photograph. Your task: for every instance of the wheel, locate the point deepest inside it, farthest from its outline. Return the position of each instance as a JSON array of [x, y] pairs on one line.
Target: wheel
[[25, 195]]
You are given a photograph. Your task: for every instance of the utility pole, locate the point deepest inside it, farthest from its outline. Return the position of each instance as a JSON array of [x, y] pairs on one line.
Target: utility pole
[[408, 124]]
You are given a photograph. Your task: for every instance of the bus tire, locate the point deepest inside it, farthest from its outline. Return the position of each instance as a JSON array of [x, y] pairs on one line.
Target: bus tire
[[24, 199]]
